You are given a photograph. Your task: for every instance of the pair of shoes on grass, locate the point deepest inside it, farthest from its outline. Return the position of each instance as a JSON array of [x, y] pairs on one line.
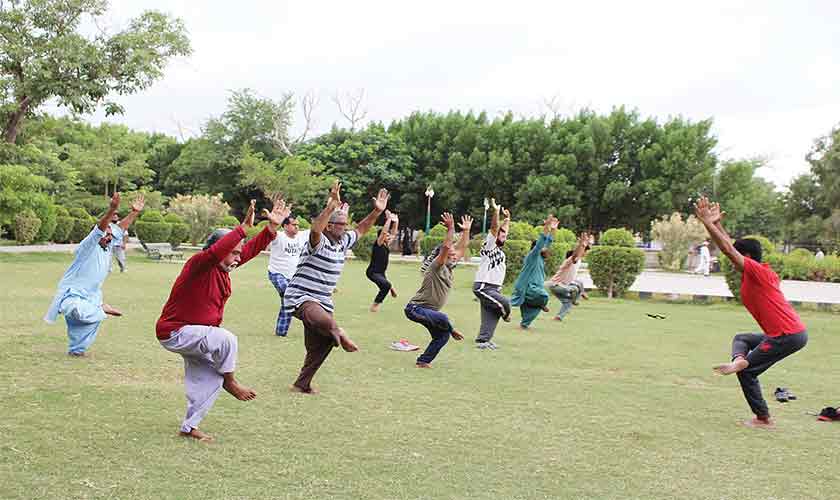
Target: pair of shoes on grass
[[783, 395]]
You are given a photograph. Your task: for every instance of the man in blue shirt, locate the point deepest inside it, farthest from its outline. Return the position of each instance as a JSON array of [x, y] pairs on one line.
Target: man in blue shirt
[[79, 293]]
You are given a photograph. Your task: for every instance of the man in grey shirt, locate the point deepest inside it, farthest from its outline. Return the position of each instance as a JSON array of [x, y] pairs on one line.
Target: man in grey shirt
[[425, 306]]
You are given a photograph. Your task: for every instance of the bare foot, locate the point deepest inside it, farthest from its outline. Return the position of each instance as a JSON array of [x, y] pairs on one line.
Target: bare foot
[[557, 318], [545, 308], [734, 367], [420, 364], [506, 319], [238, 390], [393, 292], [111, 310], [585, 296], [457, 335], [346, 344], [311, 391], [756, 423], [374, 307], [197, 434]]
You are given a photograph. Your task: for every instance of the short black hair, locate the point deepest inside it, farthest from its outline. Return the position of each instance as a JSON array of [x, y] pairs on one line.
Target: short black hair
[[570, 253], [288, 220], [749, 247]]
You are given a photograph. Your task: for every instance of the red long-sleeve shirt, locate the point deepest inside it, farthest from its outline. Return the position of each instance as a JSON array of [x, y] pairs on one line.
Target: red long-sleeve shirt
[[199, 294]]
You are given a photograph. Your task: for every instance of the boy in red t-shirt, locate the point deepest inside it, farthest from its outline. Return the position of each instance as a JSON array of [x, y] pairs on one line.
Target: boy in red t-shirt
[[784, 333]]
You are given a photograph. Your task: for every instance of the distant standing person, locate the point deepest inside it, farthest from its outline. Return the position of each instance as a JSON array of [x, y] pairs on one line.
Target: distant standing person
[[529, 290], [79, 293], [118, 240], [282, 264], [407, 242], [783, 331], [379, 260], [490, 277], [705, 259], [425, 307], [819, 255], [564, 284]]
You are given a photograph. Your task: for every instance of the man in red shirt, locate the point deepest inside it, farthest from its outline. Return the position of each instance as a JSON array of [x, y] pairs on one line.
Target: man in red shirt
[[189, 323], [784, 333]]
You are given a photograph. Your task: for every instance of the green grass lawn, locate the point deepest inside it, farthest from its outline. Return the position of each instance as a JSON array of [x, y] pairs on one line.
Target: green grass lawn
[[608, 404]]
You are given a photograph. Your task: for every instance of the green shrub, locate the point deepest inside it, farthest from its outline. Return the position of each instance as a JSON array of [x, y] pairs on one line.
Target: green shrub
[[79, 213], [49, 219], [64, 225], [515, 252], [563, 235], [253, 231], [82, 227], [617, 237], [61, 211], [475, 244], [180, 233], [364, 247], [795, 267], [557, 256], [27, 225], [523, 231], [153, 232], [428, 244], [827, 269], [614, 269], [803, 253], [304, 224], [228, 221], [438, 231], [152, 216], [173, 218]]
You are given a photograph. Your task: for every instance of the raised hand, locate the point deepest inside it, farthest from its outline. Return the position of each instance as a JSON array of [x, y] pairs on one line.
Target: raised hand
[[704, 211], [551, 223], [381, 201], [448, 220], [115, 202], [506, 213], [466, 223], [335, 195], [717, 213], [248, 220], [394, 218], [493, 205], [139, 203], [344, 208], [279, 212]]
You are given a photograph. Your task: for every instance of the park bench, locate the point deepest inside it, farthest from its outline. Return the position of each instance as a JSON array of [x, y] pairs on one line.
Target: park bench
[[160, 251]]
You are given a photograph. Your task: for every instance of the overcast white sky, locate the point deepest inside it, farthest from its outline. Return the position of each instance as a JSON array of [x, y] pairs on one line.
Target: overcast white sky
[[767, 72]]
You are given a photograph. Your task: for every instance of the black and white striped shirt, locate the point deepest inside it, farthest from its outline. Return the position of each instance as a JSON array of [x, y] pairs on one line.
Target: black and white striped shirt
[[318, 271]]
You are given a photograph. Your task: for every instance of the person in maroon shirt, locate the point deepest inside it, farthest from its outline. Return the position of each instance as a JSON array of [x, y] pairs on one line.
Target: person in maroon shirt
[[783, 331], [189, 323]]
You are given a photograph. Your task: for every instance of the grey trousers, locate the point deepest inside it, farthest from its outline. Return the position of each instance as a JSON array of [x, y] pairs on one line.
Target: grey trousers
[[762, 352], [208, 353], [494, 306], [119, 254]]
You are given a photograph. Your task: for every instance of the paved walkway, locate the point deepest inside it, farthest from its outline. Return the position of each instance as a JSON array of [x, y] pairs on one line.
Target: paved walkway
[[648, 282]]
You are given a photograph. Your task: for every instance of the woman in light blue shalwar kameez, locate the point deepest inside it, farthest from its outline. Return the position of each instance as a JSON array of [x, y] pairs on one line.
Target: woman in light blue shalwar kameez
[[528, 291], [79, 293]]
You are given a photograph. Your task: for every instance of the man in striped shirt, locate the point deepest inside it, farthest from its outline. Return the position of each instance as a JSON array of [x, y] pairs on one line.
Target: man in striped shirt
[[309, 294]]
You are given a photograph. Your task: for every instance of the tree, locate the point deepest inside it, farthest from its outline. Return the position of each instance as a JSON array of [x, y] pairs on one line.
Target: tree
[[44, 56], [17, 188], [752, 204], [824, 158], [677, 236], [200, 212], [116, 159]]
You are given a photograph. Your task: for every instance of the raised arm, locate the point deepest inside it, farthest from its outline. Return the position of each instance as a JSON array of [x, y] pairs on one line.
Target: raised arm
[[711, 216], [136, 207], [380, 203], [320, 222], [446, 248], [112, 209], [580, 249], [386, 229], [464, 242], [275, 217], [505, 225], [494, 217]]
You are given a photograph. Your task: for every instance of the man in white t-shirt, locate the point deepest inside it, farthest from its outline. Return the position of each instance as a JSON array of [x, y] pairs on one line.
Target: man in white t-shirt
[[489, 278], [282, 264], [705, 259], [564, 284]]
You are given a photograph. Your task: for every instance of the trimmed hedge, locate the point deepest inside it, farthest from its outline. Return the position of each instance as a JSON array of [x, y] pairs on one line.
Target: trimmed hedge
[[27, 225], [253, 231], [614, 269], [523, 231], [428, 244], [152, 216], [304, 224], [153, 232], [64, 225], [617, 237], [49, 220], [81, 228], [180, 234]]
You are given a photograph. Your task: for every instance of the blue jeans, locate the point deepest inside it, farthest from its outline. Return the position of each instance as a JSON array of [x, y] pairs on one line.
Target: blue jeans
[[438, 325], [284, 318]]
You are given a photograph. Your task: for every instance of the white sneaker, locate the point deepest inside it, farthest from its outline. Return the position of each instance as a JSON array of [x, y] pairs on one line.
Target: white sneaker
[[404, 345]]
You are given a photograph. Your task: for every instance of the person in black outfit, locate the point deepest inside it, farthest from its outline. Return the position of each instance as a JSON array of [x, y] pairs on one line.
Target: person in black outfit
[[407, 241], [379, 260]]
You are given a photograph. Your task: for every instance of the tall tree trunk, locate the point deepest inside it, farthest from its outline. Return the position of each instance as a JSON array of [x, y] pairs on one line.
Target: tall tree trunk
[[13, 125]]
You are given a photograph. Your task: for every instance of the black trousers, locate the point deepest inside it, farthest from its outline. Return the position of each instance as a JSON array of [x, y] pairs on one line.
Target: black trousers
[[382, 282], [762, 352]]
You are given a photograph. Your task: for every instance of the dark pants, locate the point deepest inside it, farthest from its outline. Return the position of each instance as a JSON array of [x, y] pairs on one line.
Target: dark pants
[[494, 306], [438, 325], [762, 352], [382, 282], [320, 335]]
